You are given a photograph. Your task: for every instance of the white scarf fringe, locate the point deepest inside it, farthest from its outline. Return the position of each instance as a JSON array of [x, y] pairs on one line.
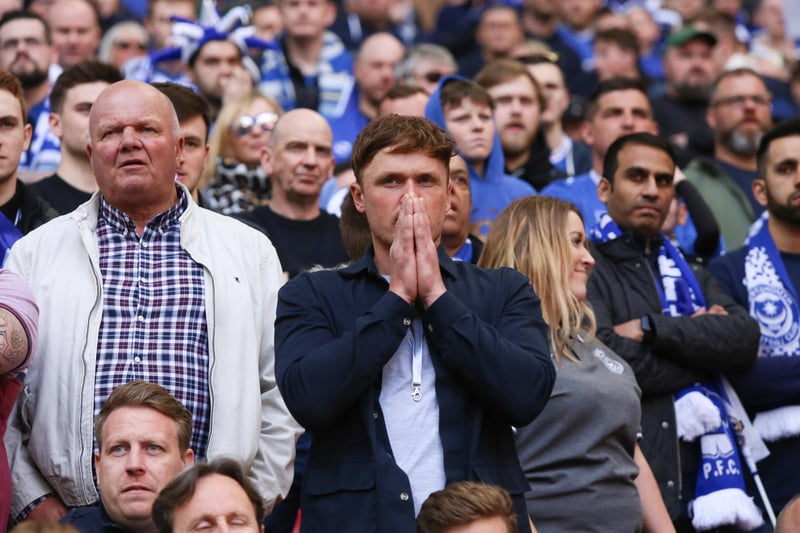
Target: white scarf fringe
[[695, 415], [725, 507], [779, 423]]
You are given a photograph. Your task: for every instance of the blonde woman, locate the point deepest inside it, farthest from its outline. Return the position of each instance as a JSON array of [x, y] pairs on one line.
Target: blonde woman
[[580, 455], [235, 182]]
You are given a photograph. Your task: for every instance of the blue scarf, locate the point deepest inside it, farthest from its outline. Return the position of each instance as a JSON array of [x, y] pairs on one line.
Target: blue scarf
[[334, 78], [9, 234], [700, 410], [773, 303]]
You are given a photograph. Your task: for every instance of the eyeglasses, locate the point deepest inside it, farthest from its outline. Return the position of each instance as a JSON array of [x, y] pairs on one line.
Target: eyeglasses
[[740, 100], [125, 45], [433, 76], [245, 124], [29, 42]]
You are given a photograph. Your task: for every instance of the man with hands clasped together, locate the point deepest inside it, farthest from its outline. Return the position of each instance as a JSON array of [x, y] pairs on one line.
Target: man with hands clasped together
[[409, 368]]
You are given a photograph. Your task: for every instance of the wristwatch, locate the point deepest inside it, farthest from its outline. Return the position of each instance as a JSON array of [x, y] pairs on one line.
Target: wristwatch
[[649, 330]]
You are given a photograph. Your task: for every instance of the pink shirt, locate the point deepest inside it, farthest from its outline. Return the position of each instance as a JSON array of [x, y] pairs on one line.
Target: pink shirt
[[17, 298]]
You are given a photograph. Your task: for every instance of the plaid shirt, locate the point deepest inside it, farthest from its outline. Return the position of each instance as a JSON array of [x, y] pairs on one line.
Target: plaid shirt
[[154, 320]]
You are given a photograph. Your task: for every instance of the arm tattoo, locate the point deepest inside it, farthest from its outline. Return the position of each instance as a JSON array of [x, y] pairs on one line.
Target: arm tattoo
[[13, 341]]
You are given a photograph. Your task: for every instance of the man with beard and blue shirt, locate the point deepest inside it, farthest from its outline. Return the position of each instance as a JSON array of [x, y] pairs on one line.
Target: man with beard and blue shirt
[[764, 276]]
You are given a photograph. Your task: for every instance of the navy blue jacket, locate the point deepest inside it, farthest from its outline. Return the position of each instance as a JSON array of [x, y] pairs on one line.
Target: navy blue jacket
[[334, 332], [771, 383], [91, 519]]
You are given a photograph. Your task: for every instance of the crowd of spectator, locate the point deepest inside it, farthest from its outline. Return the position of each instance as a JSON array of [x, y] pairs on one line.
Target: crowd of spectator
[[394, 265]]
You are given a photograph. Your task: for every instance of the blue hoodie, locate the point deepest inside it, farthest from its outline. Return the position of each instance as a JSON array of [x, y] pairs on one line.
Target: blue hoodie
[[493, 191]]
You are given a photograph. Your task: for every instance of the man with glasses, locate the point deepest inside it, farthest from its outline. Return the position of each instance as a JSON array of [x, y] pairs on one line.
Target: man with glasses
[[764, 277], [424, 65], [739, 114], [27, 51]]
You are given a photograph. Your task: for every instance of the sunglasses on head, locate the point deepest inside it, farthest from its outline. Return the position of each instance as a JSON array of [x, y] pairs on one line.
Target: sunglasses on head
[[245, 123]]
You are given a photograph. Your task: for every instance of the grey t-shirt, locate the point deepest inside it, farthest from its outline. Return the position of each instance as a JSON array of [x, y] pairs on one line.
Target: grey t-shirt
[[578, 453]]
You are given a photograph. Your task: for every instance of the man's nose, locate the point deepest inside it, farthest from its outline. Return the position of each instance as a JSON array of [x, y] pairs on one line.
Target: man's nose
[[134, 461], [650, 187]]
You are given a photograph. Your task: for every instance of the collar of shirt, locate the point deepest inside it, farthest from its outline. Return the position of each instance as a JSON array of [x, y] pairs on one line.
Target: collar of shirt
[[120, 222]]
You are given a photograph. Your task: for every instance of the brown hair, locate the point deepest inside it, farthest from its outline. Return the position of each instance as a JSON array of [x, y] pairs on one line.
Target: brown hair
[[87, 71], [187, 103], [455, 91], [140, 393], [504, 70], [402, 135], [354, 228], [10, 83], [463, 502], [612, 85], [181, 489], [403, 90], [625, 39]]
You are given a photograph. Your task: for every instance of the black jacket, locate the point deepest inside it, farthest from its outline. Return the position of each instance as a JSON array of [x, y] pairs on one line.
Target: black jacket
[[683, 351], [35, 211]]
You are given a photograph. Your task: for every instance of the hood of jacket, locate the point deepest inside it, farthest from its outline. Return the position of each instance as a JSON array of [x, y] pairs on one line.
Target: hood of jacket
[[495, 164]]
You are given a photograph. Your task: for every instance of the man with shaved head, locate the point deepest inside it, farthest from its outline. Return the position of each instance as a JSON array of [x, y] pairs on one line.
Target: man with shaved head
[[141, 283], [298, 160]]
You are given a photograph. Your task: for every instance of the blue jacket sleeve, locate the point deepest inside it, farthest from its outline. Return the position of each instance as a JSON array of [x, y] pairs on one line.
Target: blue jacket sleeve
[[321, 374], [506, 364], [772, 382]]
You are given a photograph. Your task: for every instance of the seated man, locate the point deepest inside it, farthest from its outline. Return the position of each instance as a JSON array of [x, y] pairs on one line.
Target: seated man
[[215, 494], [467, 506], [143, 442]]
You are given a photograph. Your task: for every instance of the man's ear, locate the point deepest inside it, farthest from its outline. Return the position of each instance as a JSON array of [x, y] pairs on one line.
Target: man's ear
[[586, 132], [28, 133], [358, 197], [54, 120], [710, 119], [188, 457], [604, 190], [266, 160], [760, 191]]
